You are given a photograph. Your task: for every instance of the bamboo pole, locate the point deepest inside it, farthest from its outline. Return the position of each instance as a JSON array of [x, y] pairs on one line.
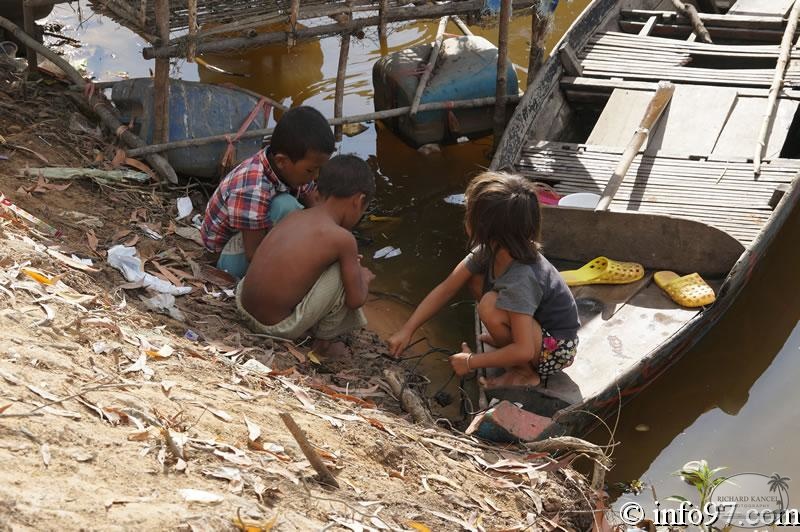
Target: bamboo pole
[[379, 115], [653, 112], [191, 49], [539, 26], [691, 12], [97, 100], [29, 22], [294, 12], [341, 73], [308, 450], [432, 58], [461, 25], [383, 5], [777, 84], [502, 73], [161, 81], [399, 14]]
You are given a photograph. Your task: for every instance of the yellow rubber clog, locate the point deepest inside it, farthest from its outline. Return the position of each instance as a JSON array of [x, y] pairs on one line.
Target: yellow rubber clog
[[688, 291], [603, 270]]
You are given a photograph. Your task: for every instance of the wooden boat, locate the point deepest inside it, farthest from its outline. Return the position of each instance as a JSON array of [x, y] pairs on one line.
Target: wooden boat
[[690, 201]]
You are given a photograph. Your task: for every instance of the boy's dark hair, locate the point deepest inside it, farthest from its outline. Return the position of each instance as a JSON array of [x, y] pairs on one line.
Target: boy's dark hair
[[344, 176], [503, 210], [302, 129]]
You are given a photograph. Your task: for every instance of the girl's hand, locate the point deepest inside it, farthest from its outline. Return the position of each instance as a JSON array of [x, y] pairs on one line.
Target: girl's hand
[[398, 342], [461, 361]]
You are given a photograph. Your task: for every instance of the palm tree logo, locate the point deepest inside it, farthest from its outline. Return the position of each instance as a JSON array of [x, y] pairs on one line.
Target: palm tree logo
[[778, 484]]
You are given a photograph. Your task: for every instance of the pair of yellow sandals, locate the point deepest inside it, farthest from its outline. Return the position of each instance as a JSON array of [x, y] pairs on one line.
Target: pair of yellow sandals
[[689, 290]]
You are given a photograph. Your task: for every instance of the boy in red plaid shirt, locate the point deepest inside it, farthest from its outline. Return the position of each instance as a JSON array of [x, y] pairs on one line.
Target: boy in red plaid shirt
[[266, 187]]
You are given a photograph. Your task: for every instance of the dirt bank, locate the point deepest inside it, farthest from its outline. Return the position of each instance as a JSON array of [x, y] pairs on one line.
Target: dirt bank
[[114, 416]]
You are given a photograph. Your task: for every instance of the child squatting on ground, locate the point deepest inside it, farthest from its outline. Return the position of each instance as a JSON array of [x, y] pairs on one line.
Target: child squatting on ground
[[255, 195], [525, 305], [306, 276]]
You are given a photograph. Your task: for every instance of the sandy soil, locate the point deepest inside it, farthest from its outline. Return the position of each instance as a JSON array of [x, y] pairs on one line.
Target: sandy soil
[[112, 418]]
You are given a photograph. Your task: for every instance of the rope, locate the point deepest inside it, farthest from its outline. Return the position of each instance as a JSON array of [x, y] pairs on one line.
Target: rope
[[228, 157]]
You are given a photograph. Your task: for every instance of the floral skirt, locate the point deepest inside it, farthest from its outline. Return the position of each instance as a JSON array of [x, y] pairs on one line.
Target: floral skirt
[[557, 354]]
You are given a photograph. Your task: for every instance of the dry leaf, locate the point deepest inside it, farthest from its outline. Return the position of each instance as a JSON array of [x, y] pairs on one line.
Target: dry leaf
[[221, 414], [91, 238], [45, 449], [253, 430], [139, 435], [300, 393], [43, 393], [166, 386], [119, 235], [295, 352], [312, 356], [205, 497], [380, 426], [39, 277], [4, 408], [71, 262]]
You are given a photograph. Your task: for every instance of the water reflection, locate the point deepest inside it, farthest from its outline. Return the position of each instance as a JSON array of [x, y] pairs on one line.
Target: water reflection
[[728, 399]]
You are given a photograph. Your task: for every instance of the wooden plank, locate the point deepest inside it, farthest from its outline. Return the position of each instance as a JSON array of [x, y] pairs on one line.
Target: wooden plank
[[777, 8], [679, 30], [739, 134], [728, 20], [585, 83], [569, 60], [620, 117], [693, 120]]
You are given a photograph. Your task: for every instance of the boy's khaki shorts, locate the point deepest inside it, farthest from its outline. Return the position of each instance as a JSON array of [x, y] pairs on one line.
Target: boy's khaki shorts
[[322, 313]]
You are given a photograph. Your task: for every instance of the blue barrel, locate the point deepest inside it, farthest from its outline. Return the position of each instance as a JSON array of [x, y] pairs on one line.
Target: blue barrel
[[195, 110], [465, 69]]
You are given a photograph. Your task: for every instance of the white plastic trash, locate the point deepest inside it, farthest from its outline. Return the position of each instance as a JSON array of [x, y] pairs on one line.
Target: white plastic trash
[[580, 200]]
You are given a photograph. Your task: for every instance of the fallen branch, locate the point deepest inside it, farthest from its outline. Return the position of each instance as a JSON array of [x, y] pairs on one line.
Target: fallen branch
[[409, 400], [316, 462], [96, 99]]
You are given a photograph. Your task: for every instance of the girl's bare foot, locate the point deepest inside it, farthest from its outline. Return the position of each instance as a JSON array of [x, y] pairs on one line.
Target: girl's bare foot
[[511, 378]]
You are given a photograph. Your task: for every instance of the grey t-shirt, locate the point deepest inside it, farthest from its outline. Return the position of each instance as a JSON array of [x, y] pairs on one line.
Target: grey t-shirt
[[536, 289]]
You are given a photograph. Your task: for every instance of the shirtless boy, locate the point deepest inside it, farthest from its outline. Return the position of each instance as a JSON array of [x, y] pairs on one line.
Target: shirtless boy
[[306, 276]]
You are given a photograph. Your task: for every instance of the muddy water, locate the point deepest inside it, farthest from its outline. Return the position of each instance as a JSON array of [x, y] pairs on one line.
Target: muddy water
[[731, 400]]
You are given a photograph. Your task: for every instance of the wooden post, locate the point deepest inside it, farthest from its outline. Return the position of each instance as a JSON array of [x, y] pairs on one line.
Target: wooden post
[[691, 12], [161, 82], [539, 25], [29, 24], [777, 84], [192, 38], [338, 100], [502, 58], [382, 6], [294, 12], [426, 74]]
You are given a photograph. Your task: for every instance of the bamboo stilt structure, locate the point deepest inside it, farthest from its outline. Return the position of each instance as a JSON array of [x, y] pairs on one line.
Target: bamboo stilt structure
[[389, 113], [177, 49], [653, 112], [502, 73], [426, 74], [777, 84], [161, 81], [341, 73], [308, 450], [691, 12], [539, 26], [96, 100]]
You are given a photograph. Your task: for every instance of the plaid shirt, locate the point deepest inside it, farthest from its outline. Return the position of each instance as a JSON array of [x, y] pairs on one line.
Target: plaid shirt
[[242, 201]]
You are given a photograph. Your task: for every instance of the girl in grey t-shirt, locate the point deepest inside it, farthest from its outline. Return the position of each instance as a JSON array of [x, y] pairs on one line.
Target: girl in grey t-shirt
[[525, 305]]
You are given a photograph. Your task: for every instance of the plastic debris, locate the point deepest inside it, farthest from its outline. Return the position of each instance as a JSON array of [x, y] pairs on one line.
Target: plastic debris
[[155, 235], [124, 259], [456, 199], [387, 253], [191, 335], [184, 207], [165, 304], [5, 203]]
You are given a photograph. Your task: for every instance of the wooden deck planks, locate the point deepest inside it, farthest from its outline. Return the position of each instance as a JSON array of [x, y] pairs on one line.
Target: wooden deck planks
[[778, 8], [719, 193], [739, 135]]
